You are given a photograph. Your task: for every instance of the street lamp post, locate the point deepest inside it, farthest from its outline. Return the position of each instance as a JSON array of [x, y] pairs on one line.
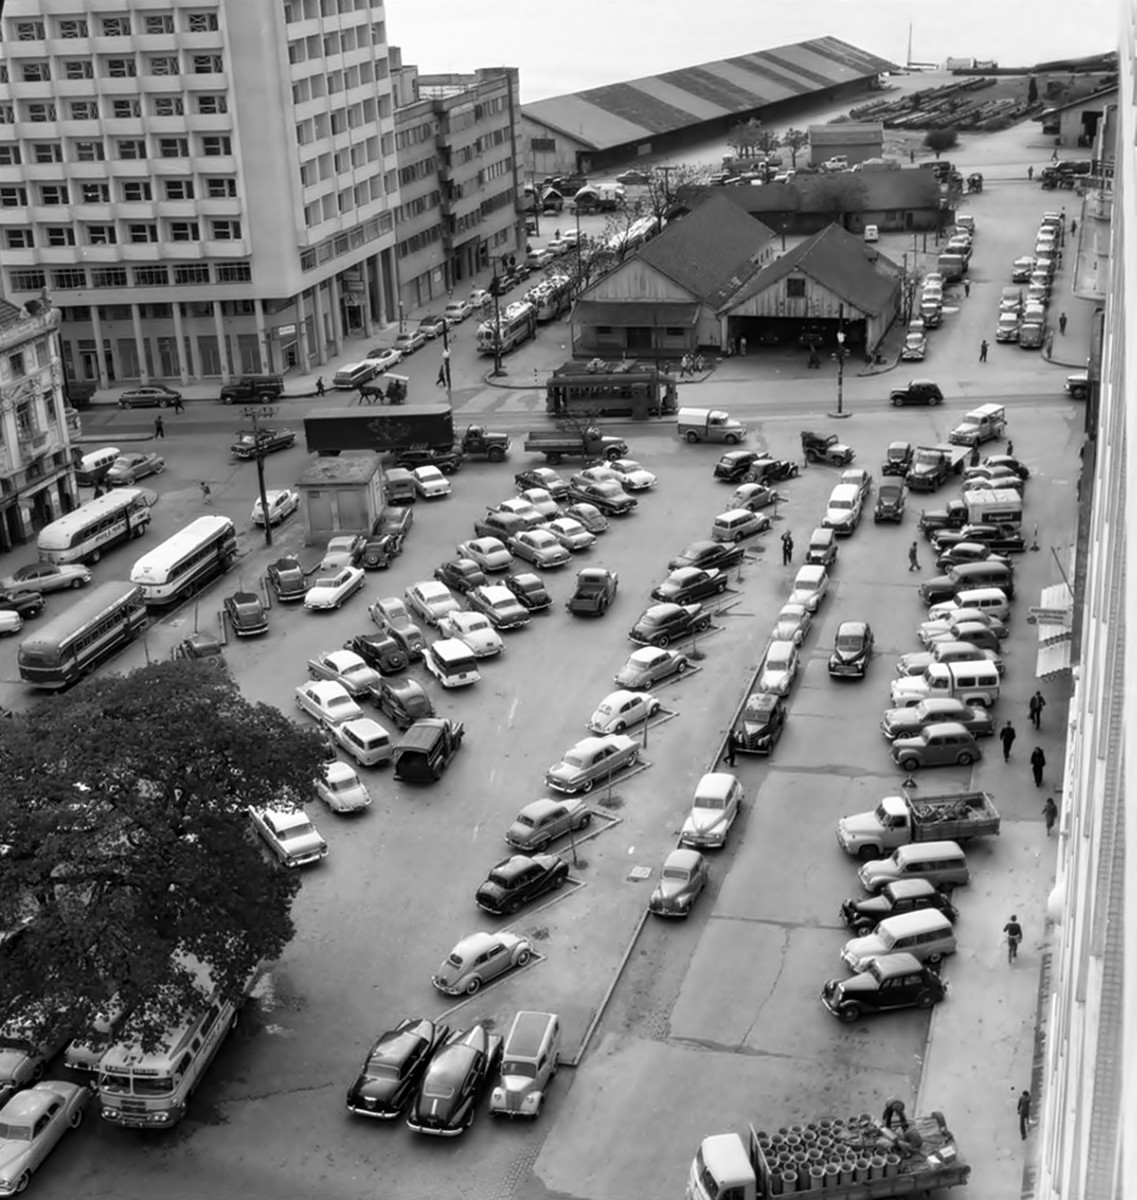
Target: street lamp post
[[253, 415], [840, 372], [446, 359], [495, 291]]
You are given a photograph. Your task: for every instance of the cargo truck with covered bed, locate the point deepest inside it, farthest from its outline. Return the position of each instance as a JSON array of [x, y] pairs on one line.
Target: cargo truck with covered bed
[[898, 820], [366, 427], [987, 506]]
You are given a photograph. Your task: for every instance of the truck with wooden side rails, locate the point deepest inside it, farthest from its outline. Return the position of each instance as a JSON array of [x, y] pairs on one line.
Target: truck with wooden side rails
[[858, 1159], [898, 820], [932, 466], [574, 443]]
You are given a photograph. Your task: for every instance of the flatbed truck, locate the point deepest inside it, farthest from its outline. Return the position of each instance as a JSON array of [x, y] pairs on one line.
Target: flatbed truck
[[580, 443], [898, 820]]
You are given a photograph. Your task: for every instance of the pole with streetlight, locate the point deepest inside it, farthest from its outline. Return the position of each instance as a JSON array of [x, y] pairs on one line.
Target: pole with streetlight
[[495, 292], [253, 415], [840, 372], [446, 357]]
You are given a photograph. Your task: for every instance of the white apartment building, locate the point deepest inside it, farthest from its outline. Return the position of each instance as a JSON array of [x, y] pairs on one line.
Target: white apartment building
[[203, 188]]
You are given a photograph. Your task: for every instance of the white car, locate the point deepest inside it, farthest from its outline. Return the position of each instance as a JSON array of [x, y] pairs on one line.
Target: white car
[[10, 622], [330, 591], [330, 703], [860, 479], [46, 577], [341, 789], [475, 630], [540, 547], [488, 552], [620, 709], [346, 668], [597, 475], [714, 809], [385, 357], [632, 475], [518, 506], [281, 504], [540, 499], [290, 835], [431, 600], [792, 624], [571, 534], [778, 668], [810, 587], [456, 312], [430, 482], [343, 550]]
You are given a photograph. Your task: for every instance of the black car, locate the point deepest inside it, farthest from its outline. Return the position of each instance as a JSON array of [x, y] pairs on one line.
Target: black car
[[542, 477], [393, 1067], [149, 395], [286, 577], [515, 881], [1009, 462], [394, 522], [460, 575], [246, 613], [897, 458], [761, 724], [709, 554], [851, 650], [447, 461], [27, 604], [595, 590], [663, 624], [378, 650], [446, 1101], [1003, 539], [403, 700], [864, 914], [967, 552], [432, 325], [262, 441], [918, 391], [735, 464], [772, 470], [889, 982], [530, 590], [689, 584]]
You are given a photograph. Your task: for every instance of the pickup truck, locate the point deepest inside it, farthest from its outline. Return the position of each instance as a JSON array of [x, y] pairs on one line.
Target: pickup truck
[[896, 821], [730, 1167], [251, 442], [897, 458], [933, 465], [980, 425], [826, 449], [595, 590], [584, 443], [710, 425], [480, 442]]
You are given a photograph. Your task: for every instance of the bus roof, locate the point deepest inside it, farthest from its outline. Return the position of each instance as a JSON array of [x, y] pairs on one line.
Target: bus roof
[[181, 543], [90, 607], [58, 535]]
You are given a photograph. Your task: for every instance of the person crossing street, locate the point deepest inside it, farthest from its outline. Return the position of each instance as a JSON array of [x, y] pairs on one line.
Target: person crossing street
[[1007, 737], [1014, 932]]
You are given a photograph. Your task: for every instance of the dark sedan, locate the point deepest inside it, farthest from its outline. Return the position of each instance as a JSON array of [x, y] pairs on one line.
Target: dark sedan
[[433, 325], [689, 584], [515, 881], [662, 624], [530, 591], [393, 1067], [27, 604], [447, 1099], [852, 650], [761, 724], [286, 577], [378, 650], [149, 396], [1003, 539], [734, 465], [460, 575], [403, 700], [246, 613], [708, 554]]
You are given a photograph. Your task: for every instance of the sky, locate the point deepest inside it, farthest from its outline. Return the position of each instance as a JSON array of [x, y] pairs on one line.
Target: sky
[[568, 47]]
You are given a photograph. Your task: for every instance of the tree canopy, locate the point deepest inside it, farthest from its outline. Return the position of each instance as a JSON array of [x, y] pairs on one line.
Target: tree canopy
[[128, 846], [794, 140], [940, 140]]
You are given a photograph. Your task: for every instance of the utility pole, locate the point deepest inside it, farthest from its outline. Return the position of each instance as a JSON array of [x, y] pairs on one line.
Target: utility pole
[[254, 414], [495, 291], [446, 358]]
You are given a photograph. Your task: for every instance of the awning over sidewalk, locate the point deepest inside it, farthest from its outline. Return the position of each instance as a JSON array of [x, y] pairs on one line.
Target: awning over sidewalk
[[1053, 660], [1055, 619], [633, 313]]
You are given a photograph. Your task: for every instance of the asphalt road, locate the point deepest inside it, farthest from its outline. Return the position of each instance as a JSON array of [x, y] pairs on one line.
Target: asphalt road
[[714, 1023]]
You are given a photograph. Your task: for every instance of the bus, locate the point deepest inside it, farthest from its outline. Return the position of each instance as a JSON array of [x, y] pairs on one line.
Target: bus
[[93, 629], [518, 324], [187, 561], [141, 1088], [83, 535], [610, 389], [551, 297]]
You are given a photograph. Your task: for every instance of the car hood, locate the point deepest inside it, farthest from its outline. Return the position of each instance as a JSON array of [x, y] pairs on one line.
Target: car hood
[[876, 908], [10, 1061], [352, 800], [703, 820], [858, 984], [755, 729], [901, 722], [671, 889], [12, 1154], [773, 679], [914, 664], [864, 824], [846, 655]]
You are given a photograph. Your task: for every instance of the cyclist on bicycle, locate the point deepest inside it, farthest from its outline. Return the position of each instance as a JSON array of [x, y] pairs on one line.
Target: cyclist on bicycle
[[1014, 932]]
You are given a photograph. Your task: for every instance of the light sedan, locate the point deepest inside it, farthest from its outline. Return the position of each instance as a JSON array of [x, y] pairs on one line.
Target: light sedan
[[603, 474], [408, 342], [914, 348], [341, 789], [346, 668], [793, 624], [650, 665], [500, 605], [127, 469], [545, 478], [779, 668], [589, 516], [46, 577], [571, 534], [714, 809], [488, 552], [529, 516], [810, 586], [540, 547], [430, 483], [431, 601], [328, 702], [330, 591], [620, 709], [592, 761], [683, 877], [907, 722], [542, 501], [385, 358], [475, 630], [31, 1124], [632, 475]]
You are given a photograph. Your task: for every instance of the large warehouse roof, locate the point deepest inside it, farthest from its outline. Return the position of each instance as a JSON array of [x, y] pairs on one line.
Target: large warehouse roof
[[643, 108]]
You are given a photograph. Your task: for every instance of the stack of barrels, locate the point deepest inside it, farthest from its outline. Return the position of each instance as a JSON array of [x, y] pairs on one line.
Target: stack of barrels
[[831, 1152]]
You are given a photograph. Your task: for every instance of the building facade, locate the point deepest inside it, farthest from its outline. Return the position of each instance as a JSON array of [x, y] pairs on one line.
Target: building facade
[[37, 480], [856, 140], [191, 218], [456, 148]]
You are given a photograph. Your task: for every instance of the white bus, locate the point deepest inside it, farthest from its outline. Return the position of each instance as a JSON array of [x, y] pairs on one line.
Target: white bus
[[518, 324], [83, 535], [187, 561]]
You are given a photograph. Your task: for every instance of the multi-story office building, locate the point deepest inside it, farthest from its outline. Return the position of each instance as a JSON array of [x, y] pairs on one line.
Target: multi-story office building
[[37, 483], [203, 188], [456, 146]]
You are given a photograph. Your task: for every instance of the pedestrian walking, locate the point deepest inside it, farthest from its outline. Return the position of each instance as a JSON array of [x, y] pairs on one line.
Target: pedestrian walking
[[1049, 347], [159, 427], [742, 346], [1037, 765], [1007, 737], [731, 746], [1054, 153], [913, 557], [206, 493], [320, 389], [787, 548], [967, 287], [814, 359], [178, 405], [1049, 814], [1030, 172], [1014, 932], [894, 1111], [443, 379], [973, 460], [1073, 227], [1035, 707], [1024, 1114], [1062, 324], [983, 350], [1010, 448]]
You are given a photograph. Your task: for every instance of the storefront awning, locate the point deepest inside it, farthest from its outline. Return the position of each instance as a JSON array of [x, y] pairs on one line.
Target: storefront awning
[[1053, 660], [628, 313]]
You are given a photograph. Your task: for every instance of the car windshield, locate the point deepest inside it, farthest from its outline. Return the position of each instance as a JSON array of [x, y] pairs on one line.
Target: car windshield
[[679, 873], [841, 504], [295, 832], [15, 1133], [526, 1070], [710, 802], [849, 641]]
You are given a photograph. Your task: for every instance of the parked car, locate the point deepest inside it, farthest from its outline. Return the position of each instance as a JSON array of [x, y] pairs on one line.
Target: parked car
[[290, 835], [595, 591], [460, 575], [480, 958], [681, 880], [571, 534], [454, 1082], [515, 881], [761, 724], [281, 504], [852, 650], [593, 760], [31, 1125], [341, 789], [914, 348], [542, 501], [539, 547], [530, 591], [404, 701], [544, 478], [151, 395], [430, 483], [385, 357], [714, 809], [475, 630], [246, 613], [25, 604], [631, 474], [378, 650], [390, 614], [662, 624], [650, 665], [128, 469], [430, 600], [967, 552], [863, 914], [499, 605], [589, 516], [456, 312], [541, 823], [432, 326], [327, 701], [944, 744], [490, 553], [779, 668], [690, 584], [733, 466], [906, 722], [331, 590], [393, 1067], [409, 341], [47, 577], [890, 982], [618, 710], [527, 514], [343, 550], [752, 497], [707, 554], [793, 623], [809, 587], [346, 668], [918, 391]]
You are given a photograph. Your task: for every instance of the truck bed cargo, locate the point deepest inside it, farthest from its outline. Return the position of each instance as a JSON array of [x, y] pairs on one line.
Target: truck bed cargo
[[584, 443], [330, 430], [896, 821]]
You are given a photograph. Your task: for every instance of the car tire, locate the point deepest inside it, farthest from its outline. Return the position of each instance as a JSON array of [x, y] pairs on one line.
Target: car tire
[[691, 437], [868, 853], [77, 582], [662, 642], [937, 400], [681, 666], [731, 439], [163, 403], [925, 1000], [523, 957], [964, 759], [652, 710], [849, 1013], [702, 623], [474, 986], [123, 404], [934, 958], [23, 1181], [908, 764], [587, 785], [619, 727]]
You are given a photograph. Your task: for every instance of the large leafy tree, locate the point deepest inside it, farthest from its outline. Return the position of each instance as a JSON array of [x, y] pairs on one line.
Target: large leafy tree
[[127, 843], [838, 195], [940, 140], [794, 141]]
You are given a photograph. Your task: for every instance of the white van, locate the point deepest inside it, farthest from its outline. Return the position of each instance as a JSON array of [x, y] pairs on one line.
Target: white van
[[972, 683], [354, 375], [843, 512], [93, 466], [872, 233], [990, 600], [926, 934], [528, 1064], [365, 740], [452, 663]]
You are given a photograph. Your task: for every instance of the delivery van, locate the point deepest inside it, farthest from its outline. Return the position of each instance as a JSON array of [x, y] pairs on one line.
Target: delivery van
[[354, 375], [942, 864]]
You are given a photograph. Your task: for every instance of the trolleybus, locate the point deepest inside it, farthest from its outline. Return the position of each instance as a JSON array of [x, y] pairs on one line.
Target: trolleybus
[[518, 324], [186, 562], [83, 535]]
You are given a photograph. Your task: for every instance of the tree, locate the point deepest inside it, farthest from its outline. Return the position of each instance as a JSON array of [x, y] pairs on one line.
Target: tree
[[940, 140], [1032, 91], [767, 141], [666, 182], [124, 810], [837, 195], [794, 141], [743, 138]]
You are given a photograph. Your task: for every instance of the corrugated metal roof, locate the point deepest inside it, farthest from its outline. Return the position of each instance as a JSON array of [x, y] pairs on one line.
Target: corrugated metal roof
[[642, 108], [907, 187]]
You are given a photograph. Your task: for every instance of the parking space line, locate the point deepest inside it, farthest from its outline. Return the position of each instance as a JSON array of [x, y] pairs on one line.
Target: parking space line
[[513, 972]]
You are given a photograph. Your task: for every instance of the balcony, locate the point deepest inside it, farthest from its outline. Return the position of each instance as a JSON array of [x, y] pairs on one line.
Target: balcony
[[32, 442]]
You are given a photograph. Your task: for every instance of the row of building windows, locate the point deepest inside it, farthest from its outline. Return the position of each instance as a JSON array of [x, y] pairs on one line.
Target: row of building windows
[[342, 41], [83, 314], [122, 109], [313, 87], [344, 201], [542, 145], [136, 233], [495, 202], [426, 131], [415, 208], [422, 169], [130, 191], [345, 242], [351, 158], [71, 279], [495, 171], [121, 67], [419, 241], [112, 26], [309, 10], [95, 150], [488, 108], [340, 120]]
